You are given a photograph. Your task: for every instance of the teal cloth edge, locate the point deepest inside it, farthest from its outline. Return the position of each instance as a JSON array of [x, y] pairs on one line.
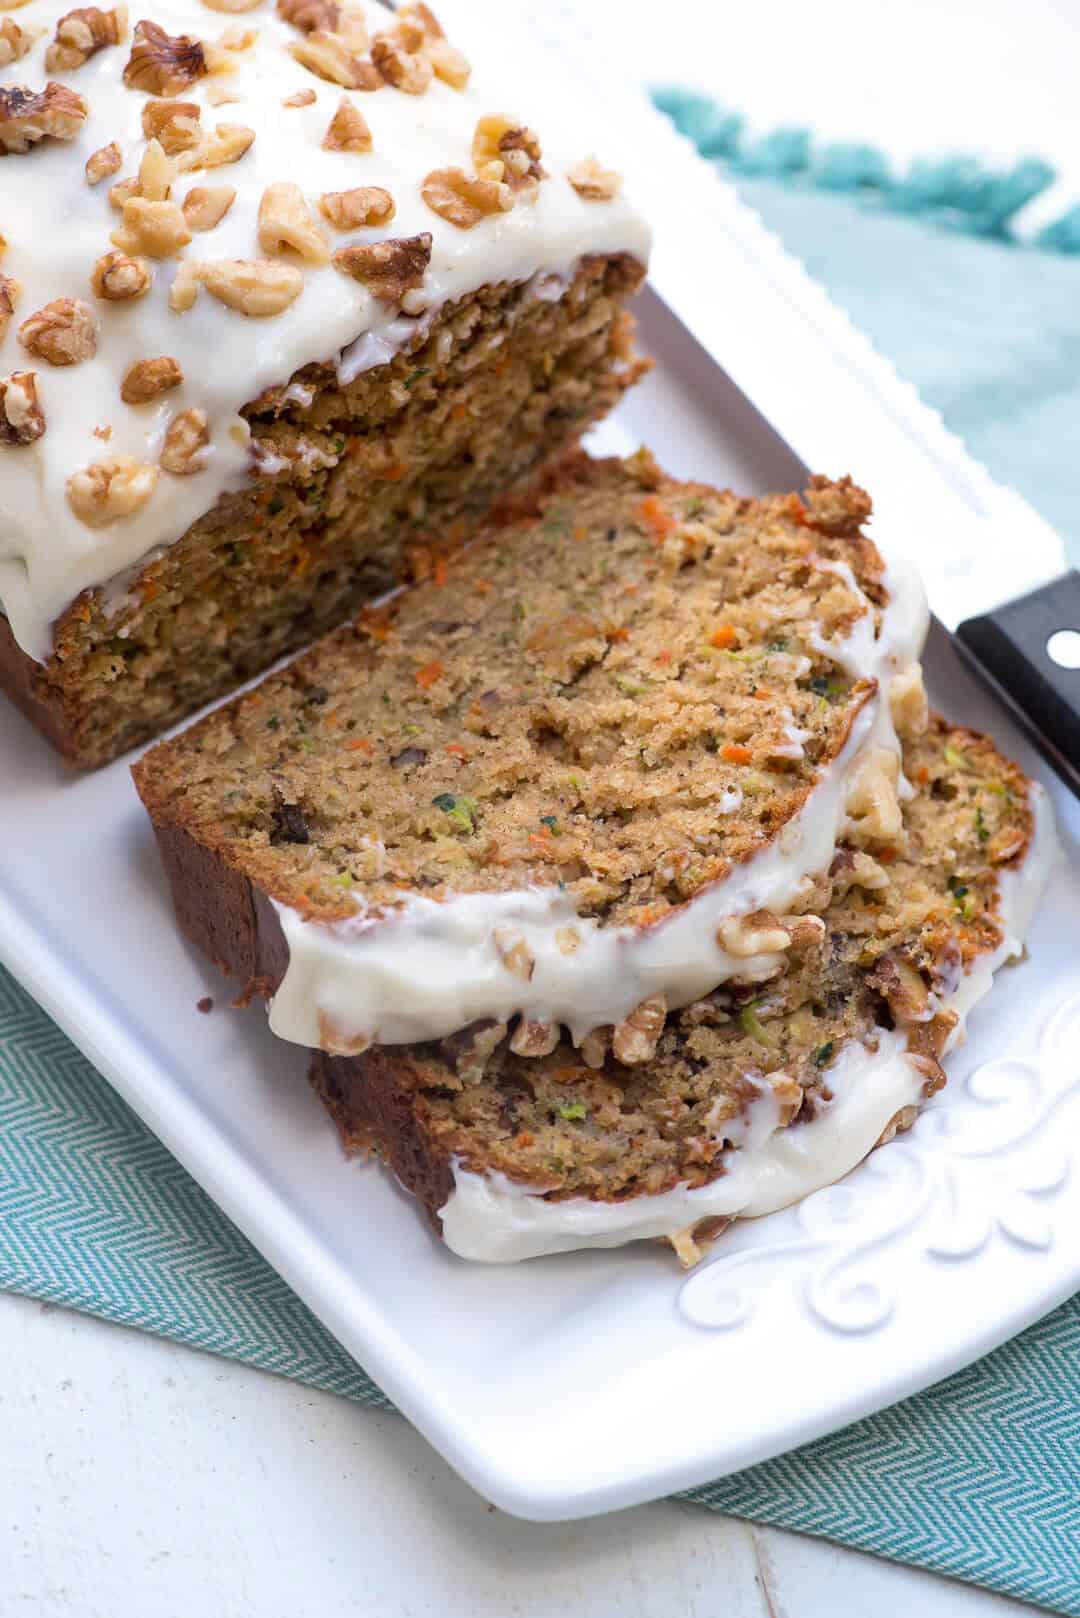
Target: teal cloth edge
[[958, 191], [978, 1477]]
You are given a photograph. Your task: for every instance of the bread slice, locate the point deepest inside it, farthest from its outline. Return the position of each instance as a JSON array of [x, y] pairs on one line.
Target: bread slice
[[756, 1094], [591, 768]]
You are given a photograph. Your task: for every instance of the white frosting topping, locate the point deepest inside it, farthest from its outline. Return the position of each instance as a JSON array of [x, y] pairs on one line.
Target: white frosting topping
[[431, 968], [57, 226], [493, 1220]]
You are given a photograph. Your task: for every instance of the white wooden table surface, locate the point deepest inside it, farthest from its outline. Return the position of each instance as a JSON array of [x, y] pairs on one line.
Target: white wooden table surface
[[140, 1479]]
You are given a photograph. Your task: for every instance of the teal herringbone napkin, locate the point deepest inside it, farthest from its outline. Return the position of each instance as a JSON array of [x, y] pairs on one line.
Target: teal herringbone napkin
[[979, 1477]]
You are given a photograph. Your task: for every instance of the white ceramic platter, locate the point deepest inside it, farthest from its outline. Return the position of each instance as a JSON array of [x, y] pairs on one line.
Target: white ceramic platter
[[568, 1386]]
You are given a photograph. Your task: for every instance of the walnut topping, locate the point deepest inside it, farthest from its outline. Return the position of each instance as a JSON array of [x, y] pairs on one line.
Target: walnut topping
[[635, 1039], [592, 182], [332, 58], [186, 439], [388, 269], [219, 95], [121, 191], [9, 297], [185, 287], [503, 150], [175, 124], [81, 34], [448, 63], [871, 804], [534, 1038], [364, 205], [789, 1097], [64, 332], [897, 1124], [108, 491], [147, 378], [309, 15], [22, 419], [594, 1047], [14, 41], [285, 222], [406, 70], [116, 277], [157, 229], [227, 144], [907, 702], [421, 16], [1005, 845], [206, 205], [27, 116], [163, 64], [464, 199], [302, 98], [232, 5], [100, 164], [758, 933], [257, 288], [514, 953], [347, 130], [155, 173]]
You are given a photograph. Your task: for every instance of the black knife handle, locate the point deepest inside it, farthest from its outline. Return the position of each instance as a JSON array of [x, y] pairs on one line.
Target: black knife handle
[[1024, 650]]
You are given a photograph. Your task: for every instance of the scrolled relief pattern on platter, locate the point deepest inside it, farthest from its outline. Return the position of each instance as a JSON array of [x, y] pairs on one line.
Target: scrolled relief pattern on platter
[[982, 1165]]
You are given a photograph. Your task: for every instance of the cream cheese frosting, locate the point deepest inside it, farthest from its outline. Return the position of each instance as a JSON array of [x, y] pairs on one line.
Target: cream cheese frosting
[[431, 968], [490, 1219], [57, 225]]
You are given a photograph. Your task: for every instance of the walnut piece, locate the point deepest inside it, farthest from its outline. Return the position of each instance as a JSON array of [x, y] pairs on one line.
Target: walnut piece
[[9, 297], [186, 439], [155, 173], [100, 164], [232, 5], [227, 144], [302, 98], [64, 332], [157, 229], [408, 71], [121, 191], [147, 378], [333, 1038], [257, 288], [464, 199], [758, 933], [907, 702], [285, 222], [185, 286], [332, 58], [388, 269], [448, 63], [897, 1124], [81, 34], [592, 182], [635, 1039], [27, 116], [871, 803], [309, 15], [163, 64], [206, 205], [22, 419], [175, 124], [514, 953], [117, 277], [364, 205], [534, 1038], [107, 491], [504, 150], [14, 41], [348, 130]]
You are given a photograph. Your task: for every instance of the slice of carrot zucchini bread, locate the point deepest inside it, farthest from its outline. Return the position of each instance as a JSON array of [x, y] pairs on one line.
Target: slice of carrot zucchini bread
[[593, 767], [286, 300], [754, 1095]]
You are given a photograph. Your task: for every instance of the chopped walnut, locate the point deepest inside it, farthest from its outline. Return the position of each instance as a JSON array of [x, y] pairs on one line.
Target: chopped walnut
[[871, 804], [934, 1076], [219, 95], [14, 41], [186, 439], [232, 5], [388, 269], [907, 702], [309, 15], [100, 164], [464, 199], [163, 64], [405, 70], [594, 1047], [471, 1048], [333, 1038], [332, 58], [504, 150], [206, 205], [758, 933], [155, 173], [27, 116], [157, 229], [285, 222], [227, 144], [448, 63], [108, 491], [348, 130], [592, 182], [185, 286], [81, 34], [9, 297], [897, 1124], [147, 378], [422, 16], [788, 1095], [64, 332], [121, 191], [514, 953], [364, 205], [22, 419], [635, 1039], [1005, 845], [257, 288], [117, 277], [302, 98], [175, 124], [534, 1038]]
